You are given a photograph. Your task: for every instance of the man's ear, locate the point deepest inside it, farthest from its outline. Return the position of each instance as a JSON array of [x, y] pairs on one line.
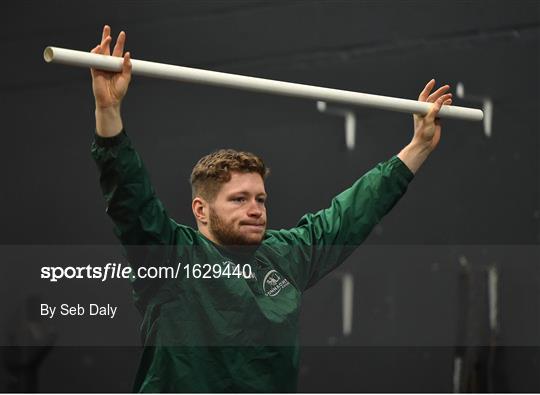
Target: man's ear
[[200, 210]]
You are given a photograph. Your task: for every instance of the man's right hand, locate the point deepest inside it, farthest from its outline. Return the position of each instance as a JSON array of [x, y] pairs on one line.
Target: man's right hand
[[110, 87]]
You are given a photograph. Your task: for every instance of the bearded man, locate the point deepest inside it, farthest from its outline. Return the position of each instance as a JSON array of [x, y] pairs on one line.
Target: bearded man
[[229, 322]]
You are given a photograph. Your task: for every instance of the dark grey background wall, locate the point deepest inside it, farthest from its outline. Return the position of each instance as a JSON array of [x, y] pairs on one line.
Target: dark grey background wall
[[475, 203]]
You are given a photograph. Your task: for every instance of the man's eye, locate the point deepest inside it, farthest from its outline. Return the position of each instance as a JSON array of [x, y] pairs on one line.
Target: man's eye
[[261, 200], [238, 199]]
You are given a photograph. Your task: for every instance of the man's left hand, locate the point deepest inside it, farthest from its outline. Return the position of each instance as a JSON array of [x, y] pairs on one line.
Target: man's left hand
[[427, 128]]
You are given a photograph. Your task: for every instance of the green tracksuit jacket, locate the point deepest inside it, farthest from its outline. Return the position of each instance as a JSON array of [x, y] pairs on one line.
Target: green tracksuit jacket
[[230, 334]]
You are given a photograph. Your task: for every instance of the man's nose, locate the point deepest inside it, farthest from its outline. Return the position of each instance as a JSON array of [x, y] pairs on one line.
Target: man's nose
[[255, 209]]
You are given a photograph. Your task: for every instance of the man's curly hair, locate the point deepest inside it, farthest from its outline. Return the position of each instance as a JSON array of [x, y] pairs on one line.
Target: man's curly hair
[[214, 170]]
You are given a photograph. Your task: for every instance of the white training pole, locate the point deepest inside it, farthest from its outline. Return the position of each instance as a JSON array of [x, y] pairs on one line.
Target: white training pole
[[186, 74]]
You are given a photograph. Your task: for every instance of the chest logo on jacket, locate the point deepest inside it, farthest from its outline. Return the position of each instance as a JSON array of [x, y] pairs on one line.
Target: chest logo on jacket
[[273, 283]]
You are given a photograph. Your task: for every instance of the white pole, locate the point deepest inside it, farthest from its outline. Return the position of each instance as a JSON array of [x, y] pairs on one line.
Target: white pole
[[186, 74]]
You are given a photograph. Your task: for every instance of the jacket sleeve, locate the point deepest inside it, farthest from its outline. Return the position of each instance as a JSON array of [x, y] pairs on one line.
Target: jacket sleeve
[[322, 241], [141, 222]]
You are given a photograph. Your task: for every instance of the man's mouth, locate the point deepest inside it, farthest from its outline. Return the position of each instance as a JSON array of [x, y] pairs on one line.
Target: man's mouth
[[257, 226]]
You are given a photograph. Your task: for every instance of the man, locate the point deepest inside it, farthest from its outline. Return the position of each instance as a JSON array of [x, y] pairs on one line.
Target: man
[[228, 332]]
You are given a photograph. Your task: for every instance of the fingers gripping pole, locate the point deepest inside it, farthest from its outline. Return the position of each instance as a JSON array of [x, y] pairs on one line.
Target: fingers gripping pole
[[186, 74]]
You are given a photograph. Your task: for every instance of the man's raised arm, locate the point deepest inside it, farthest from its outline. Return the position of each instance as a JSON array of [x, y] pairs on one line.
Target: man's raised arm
[[322, 241], [139, 216]]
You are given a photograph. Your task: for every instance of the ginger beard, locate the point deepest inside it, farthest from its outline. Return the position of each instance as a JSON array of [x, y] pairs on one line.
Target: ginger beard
[[230, 234]]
